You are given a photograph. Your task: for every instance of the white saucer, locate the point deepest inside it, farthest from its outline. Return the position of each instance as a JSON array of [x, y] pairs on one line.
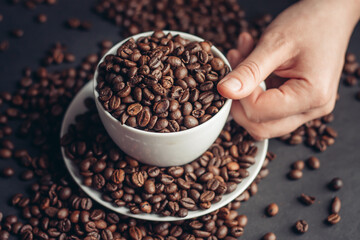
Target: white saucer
[[77, 107]]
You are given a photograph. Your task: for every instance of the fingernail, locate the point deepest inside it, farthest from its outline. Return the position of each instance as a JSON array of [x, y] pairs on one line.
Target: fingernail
[[231, 83]]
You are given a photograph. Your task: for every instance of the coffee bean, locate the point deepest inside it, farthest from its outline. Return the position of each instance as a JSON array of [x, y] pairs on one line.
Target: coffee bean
[[27, 175], [313, 162], [207, 196], [17, 33], [335, 184], [73, 23], [118, 176], [306, 199], [5, 153], [145, 207], [41, 18], [299, 165], [85, 25], [333, 218], [217, 64], [187, 203], [336, 205], [301, 226], [272, 209], [135, 233], [8, 172], [269, 236], [295, 174]]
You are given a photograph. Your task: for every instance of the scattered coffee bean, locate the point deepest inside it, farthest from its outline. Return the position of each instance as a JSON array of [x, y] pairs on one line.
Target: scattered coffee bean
[[272, 209], [4, 45], [301, 226], [41, 18], [336, 205], [85, 25], [27, 175], [313, 162], [299, 165], [306, 199], [8, 172], [269, 236], [333, 218], [295, 174], [5, 153], [17, 33], [73, 23], [335, 184]]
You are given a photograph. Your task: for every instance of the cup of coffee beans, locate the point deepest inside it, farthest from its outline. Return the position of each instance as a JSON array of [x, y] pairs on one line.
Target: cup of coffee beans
[[156, 94]]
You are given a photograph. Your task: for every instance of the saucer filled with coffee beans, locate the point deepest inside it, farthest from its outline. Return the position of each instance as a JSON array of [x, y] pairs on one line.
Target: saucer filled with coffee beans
[[161, 88]]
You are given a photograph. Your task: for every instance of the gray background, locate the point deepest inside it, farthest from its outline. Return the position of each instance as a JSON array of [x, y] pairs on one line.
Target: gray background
[[340, 160]]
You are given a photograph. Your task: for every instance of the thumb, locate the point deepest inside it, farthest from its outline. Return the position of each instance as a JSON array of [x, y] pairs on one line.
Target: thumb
[[269, 54]]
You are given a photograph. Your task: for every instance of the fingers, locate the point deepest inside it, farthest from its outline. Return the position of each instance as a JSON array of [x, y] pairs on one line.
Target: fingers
[[234, 56], [293, 97], [245, 44], [268, 55], [279, 127]]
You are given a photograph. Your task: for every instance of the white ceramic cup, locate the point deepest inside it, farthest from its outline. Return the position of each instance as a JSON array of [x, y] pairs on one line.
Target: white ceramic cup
[[163, 149]]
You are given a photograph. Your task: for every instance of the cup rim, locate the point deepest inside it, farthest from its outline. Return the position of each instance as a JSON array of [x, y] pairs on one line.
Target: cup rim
[[188, 36]]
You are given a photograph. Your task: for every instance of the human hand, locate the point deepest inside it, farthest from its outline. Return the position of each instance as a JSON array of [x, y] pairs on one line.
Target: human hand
[[301, 55]]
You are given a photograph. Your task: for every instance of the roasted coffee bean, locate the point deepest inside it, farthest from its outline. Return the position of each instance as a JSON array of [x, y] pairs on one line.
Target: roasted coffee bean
[[301, 226], [5, 153], [207, 196], [295, 174], [335, 184], [217, 64], [17, 33], [27, 175], [187, 203], [272, 209], [313, 162], [333, 218], [73, 23], [306, 199], [41, 18], [8, 172], [135, 233], [269, 236], [298, 165], [336, 205]]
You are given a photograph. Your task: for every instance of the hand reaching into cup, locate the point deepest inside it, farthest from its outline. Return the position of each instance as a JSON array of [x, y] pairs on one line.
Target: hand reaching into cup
[[300, 56]]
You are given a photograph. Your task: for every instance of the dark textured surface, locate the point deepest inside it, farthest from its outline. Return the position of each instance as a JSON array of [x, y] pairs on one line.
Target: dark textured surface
[[340, 160]]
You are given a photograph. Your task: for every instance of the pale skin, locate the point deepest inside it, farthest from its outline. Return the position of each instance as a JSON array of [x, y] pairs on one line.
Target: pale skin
[[300, 55]]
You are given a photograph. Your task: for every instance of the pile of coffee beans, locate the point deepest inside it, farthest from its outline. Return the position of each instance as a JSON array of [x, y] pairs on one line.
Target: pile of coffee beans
[[315, 133], [195, 17], [161, 83], [149, 189], [32, 4], [59, 211], [351, 72]]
